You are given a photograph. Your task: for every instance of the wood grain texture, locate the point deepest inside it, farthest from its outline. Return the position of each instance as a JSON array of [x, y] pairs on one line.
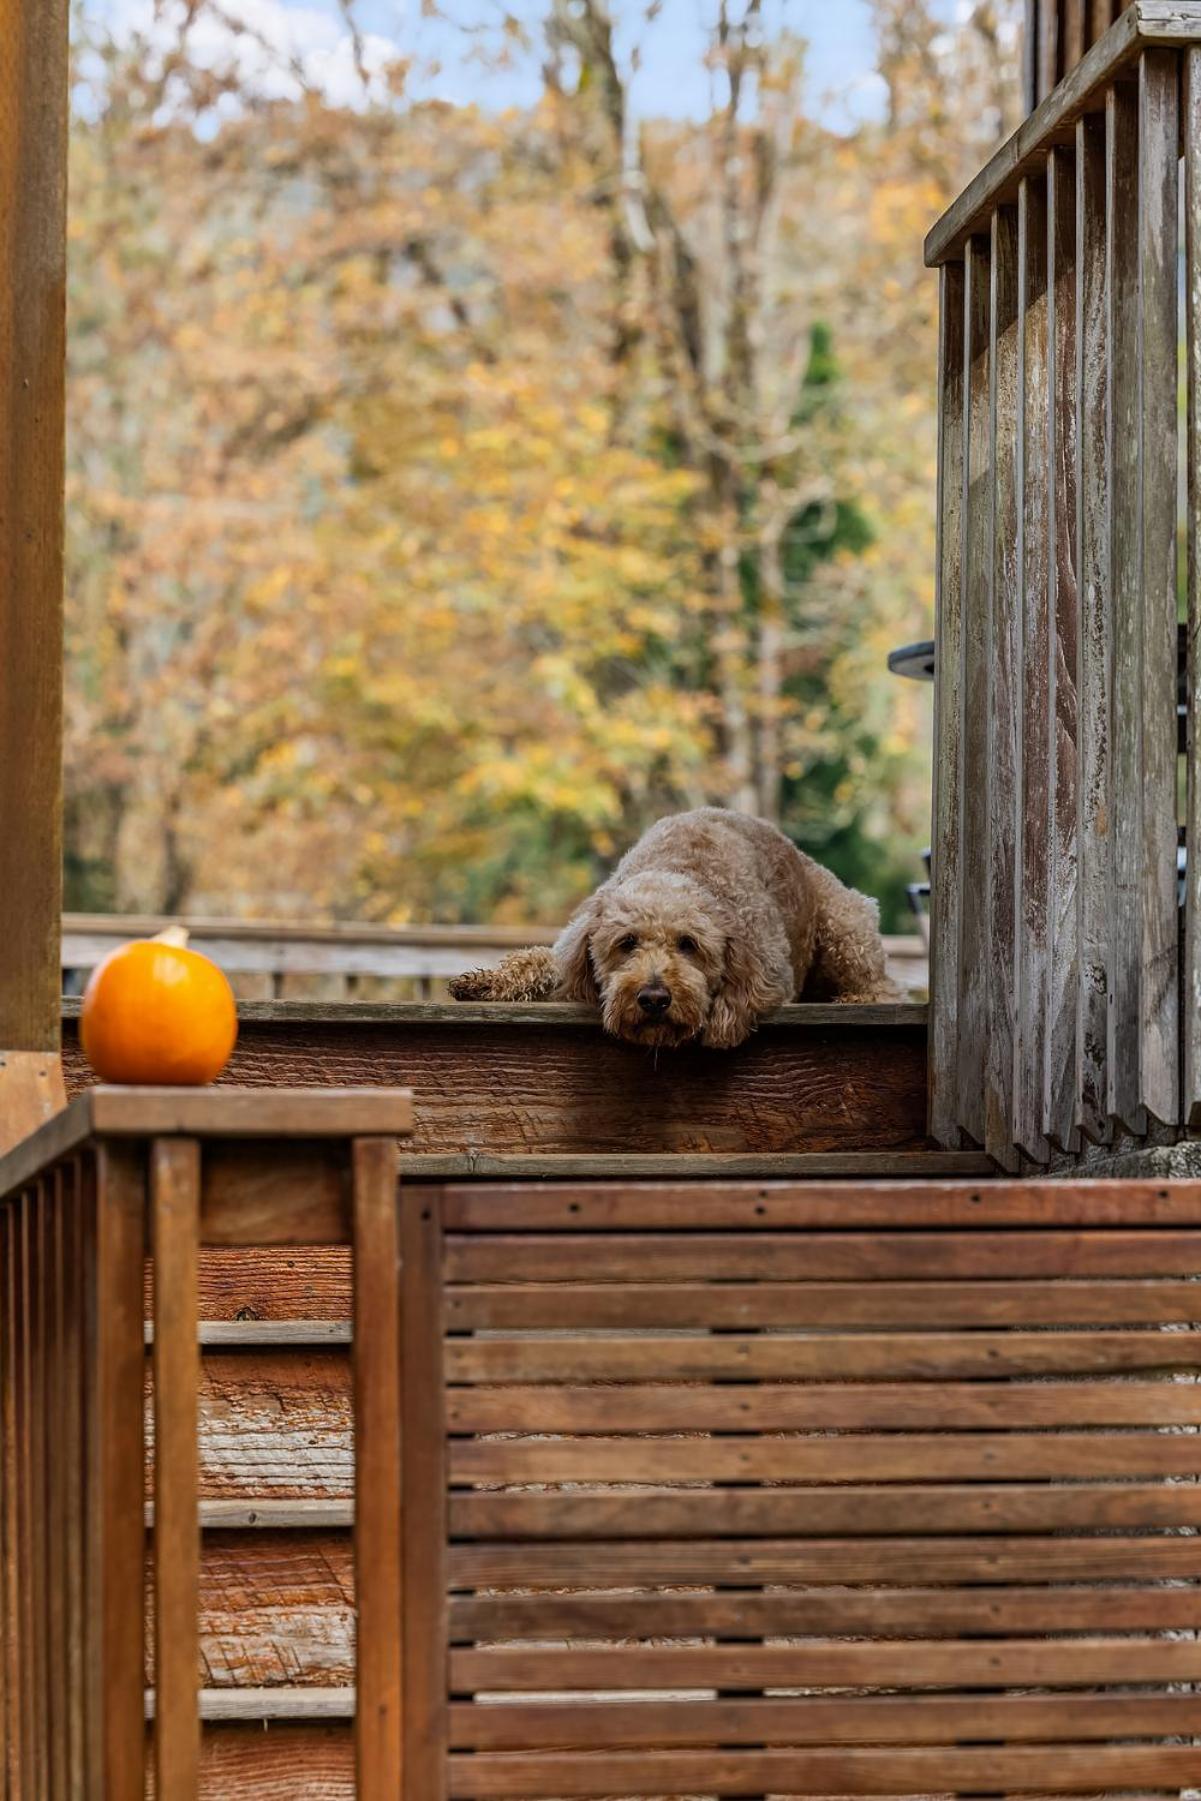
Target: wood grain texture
[[1159, 275], [1191, 975], [423, 1449], [1095, 640], [276, 1762], [116, 1549], [379, 1585], [1005, 674], [1059, 1094], [175, 1231], [508, 1090], [530, 1777], [33, 243], [1122, 216], [1034, 698], [976, 687], [945, 895]]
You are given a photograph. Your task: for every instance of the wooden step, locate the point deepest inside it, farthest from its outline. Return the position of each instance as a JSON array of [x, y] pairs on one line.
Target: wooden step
[[519, 1090]]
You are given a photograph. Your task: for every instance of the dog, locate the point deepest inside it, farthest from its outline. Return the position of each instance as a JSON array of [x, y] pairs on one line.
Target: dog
[[711, 920]]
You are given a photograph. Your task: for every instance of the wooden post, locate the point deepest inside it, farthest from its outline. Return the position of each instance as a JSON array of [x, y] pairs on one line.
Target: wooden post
[[33, 189]]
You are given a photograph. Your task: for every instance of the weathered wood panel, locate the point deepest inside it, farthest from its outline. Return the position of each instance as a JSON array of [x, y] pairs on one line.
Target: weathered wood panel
[[1158, 206], [1191, 982], [1059, 1098], [976, 687], [948, 721], [1033, 697], [1095, 642], [510, 1089], [1005, 660]]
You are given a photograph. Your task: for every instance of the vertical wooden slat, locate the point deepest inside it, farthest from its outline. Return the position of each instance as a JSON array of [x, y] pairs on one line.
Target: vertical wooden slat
[[1030, 56], [1073, 33], [38, 1650], [175, 1217], [1059, 1117], [1005, 636], [1122, 282], [57, 1455], [1092, 500], [974, 814], [1191, 985], [423, 1450], [73, 1435], [944, 877], [1033, 696], [1159, 275], [33, 181], [1048, 46], [378, 1497], [14, 1678], [1100, 18], [115, 1479]]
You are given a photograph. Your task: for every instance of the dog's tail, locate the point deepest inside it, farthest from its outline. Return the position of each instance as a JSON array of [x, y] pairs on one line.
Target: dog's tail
[[531, 975]]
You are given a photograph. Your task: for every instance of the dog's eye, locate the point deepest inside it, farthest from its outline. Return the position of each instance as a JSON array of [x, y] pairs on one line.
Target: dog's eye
[[628, 943], [688, 945]]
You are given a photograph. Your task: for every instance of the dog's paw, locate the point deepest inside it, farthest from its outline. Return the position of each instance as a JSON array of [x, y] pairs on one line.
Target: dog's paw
[[473, 985]]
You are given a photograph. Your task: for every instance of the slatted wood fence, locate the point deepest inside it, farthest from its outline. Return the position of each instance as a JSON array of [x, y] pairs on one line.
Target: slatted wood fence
[[1062, 1006], [1058, 32]]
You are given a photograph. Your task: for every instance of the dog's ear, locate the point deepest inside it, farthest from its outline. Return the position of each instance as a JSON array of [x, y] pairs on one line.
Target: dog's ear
[[573, 955], [749, 987]]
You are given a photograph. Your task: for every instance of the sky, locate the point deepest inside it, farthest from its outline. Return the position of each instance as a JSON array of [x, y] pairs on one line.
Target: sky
[[671, 81]]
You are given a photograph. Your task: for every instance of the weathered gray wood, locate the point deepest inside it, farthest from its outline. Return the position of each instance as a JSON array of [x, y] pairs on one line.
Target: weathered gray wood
[[1191, 985], [976, 678], [1093, 545], [33, 285], [1048, 47], [1159, 130], [1059, 1095], [1005, 637], [1033, 691], [1122, 282], [945, 888], [1025, 152]]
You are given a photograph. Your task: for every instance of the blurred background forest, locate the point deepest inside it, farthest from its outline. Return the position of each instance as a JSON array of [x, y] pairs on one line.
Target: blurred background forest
[[454, 488]]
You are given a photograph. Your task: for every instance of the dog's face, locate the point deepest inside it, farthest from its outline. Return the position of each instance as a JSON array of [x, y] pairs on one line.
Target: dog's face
[[656, 950]]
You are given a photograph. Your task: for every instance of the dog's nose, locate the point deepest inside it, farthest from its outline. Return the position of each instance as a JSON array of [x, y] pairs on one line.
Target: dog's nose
[[654, 999]]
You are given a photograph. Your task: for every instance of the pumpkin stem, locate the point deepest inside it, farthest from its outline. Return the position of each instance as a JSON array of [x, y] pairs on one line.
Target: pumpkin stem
[[175, 935]]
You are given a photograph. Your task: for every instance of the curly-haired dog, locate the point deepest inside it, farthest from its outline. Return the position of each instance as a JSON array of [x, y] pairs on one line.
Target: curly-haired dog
[[710, 921]]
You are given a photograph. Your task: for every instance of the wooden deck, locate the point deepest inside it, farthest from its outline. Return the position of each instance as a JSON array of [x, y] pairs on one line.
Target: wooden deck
[[501, 1087]]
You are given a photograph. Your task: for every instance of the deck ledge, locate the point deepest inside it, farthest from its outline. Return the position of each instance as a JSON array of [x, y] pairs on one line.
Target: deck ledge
[[542, 1013]]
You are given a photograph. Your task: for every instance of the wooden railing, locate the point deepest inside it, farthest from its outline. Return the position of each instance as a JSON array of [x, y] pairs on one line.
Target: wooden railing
[[267, 961], [1058, 32], [123, 1173], [1055, 968]]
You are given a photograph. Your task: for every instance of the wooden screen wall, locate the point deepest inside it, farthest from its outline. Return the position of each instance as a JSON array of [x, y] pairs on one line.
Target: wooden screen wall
[[1055, 969]]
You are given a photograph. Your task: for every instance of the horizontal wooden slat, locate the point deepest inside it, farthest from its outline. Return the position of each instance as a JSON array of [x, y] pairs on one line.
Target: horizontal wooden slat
[[280, 1283], [829, 1512], [880, 1613], [822, 1256], [741, 1562], [767, 1206], [933, 1305], [928, 1457], [597, 1726], [916, 1357], [1070, 1771], [781, 1407], [273, 1423]]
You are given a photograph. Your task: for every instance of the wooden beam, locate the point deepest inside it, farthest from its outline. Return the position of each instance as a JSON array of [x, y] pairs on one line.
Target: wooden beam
[[33, 194]]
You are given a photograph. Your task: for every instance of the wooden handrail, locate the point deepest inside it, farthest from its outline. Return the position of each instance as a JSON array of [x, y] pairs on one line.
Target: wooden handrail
[[119, 1173]]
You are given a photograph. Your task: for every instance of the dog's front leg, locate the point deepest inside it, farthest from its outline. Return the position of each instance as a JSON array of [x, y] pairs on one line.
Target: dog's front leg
[[531, 975]]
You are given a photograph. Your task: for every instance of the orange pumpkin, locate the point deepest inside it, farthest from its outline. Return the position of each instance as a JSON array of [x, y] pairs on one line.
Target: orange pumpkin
[[156, 1012]]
